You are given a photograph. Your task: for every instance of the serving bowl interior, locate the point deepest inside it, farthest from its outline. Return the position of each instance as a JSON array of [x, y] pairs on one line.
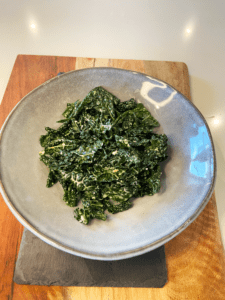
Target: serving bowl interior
[[187, 180]]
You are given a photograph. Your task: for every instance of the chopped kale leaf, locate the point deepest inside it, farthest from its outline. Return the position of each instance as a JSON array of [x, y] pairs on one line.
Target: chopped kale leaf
[[103, 154]]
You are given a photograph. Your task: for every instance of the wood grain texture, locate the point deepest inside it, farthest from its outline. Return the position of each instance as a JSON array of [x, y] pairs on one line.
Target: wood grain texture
[[195, 258]]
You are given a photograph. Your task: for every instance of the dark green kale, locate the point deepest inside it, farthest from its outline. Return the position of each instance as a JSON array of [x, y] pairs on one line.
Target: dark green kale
[[104, 154]]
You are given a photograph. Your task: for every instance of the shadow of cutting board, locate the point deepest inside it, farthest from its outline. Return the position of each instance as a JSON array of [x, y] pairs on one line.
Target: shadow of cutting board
[[195, 258]]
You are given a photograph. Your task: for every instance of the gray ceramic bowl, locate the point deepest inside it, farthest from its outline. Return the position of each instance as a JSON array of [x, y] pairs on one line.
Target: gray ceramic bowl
[[187, 182]]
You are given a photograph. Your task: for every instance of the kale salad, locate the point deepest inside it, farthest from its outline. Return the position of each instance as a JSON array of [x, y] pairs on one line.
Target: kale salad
[[104, 154]]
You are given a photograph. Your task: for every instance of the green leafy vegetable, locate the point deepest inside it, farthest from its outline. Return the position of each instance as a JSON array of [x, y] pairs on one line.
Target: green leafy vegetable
[[104, 154]]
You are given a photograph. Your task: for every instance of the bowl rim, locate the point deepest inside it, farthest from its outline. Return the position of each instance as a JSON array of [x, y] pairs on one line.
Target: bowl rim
[[124, 254]]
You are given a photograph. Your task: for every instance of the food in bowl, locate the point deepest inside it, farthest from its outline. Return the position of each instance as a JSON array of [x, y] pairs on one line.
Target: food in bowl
[[104, 154]]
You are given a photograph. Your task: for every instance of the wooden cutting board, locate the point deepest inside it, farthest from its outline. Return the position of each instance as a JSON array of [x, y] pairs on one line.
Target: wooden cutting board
[[195, 258]]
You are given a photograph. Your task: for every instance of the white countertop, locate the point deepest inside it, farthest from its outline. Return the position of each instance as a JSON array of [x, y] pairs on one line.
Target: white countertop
[[187, 31]]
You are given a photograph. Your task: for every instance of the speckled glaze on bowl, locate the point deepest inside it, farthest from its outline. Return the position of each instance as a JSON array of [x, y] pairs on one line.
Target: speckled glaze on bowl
[[187, 181]]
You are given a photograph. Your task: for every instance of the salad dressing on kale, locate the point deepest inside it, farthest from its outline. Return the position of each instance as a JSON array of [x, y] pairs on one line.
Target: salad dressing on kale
[[104, 154]]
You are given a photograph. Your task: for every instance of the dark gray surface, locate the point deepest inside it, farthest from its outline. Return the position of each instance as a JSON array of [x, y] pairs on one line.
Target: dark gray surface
[[41, 264]]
